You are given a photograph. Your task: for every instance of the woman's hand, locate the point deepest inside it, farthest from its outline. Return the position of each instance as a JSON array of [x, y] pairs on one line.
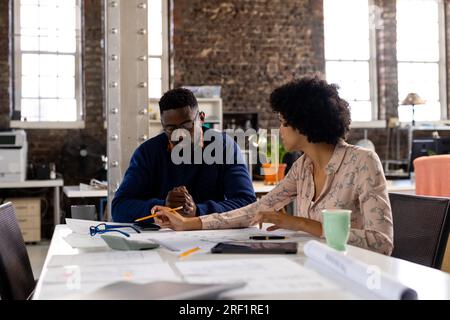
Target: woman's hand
[[285, 221], [175, 221], [279, 221]]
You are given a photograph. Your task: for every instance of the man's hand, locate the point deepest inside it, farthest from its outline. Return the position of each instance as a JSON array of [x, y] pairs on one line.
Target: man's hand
[[175, 221], [180, 197]]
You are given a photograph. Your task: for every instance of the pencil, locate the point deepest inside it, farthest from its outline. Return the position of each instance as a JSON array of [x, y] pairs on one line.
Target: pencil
[[155, 215], [186, 253]]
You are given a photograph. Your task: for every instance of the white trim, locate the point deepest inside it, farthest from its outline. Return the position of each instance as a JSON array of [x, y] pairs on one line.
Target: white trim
[[47, 125], [442, 65], [442, 61], [420, 125], [165, 67], [373, 66], [368, 124]]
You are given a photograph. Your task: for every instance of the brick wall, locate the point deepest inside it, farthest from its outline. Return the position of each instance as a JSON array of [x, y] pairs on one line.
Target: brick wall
[[248, 47], [45, 145]]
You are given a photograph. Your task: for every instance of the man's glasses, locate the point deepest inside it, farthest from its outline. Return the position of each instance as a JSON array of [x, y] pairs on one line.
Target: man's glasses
[[188, 125], [104, 228]]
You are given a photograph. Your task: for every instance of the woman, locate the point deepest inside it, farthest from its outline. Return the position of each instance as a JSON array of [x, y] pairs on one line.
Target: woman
[[330, 174]]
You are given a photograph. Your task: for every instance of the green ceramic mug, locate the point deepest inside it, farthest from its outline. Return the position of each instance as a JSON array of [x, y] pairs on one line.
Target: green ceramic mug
[[336, 227]]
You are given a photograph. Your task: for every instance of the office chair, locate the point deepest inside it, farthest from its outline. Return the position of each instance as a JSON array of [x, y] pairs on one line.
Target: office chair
[[16, 276], [421, 226]]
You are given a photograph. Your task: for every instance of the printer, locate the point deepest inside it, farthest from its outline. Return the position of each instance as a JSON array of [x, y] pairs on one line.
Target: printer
[[13, 156]]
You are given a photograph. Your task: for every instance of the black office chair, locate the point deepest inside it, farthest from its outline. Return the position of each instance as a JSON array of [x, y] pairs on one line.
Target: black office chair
[[16, 276], [421, 227]]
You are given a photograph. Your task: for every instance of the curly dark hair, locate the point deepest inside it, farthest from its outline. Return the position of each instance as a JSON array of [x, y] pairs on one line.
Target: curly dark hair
[[177, 99], [314, 108]]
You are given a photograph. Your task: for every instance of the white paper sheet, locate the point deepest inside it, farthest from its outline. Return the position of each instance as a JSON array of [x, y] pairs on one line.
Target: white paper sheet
[[262, 275], [380, 284], [106, 258], [82, 241], [63, 281]]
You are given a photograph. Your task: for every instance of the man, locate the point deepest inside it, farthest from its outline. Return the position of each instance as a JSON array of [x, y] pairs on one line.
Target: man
[[153, 179]]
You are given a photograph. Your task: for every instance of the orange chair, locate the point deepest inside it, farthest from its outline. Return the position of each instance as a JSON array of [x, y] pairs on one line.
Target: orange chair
[[432, 176]]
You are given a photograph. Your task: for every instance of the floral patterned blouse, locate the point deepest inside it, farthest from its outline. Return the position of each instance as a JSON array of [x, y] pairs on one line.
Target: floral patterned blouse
[[355, 181]]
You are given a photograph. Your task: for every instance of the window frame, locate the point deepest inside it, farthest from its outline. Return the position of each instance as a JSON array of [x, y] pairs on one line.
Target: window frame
[[373, 75], [165, 64], [79, 123], [442, 65]]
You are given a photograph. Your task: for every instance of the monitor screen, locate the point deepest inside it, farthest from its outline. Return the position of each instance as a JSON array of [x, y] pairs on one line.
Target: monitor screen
[[422, 148], [443, 146]]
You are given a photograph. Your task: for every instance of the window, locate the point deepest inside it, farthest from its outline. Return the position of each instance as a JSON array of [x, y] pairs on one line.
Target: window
[[348, 55], [158, 48], [420, 59], [47, 60]]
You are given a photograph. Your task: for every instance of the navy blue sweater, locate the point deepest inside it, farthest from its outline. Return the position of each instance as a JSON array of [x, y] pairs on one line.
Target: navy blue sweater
[[152, 174]]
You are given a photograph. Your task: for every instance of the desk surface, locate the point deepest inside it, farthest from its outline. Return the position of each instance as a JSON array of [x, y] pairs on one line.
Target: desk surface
[[429, 283], [32, 184], [75, 192], [259, 187]]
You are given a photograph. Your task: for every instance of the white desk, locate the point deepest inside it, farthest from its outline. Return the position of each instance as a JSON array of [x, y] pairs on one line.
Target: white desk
[[429, 283], [258, 186], [32, 184], [402, 186], [75, 192]]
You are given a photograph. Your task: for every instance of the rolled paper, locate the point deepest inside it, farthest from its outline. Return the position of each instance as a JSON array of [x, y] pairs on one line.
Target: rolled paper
[[355, 270]]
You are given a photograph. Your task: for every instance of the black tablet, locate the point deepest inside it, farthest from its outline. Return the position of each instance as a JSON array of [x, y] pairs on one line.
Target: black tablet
[[256, 247]]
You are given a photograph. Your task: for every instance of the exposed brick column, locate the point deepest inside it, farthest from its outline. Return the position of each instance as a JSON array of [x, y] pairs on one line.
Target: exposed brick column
[[5, 66], [386, 36]]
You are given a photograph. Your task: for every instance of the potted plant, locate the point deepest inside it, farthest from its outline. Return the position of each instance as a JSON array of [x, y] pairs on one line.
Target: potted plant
[[274, 169]]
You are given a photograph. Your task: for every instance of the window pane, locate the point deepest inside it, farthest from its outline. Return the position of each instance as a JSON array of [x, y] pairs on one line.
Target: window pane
[[346, 26], [420, 78], [65, 18], [49, 110], [66, 87], [155, 89], [30, 109], [351, 77], [48, 40], [428, 112], [417, 30], [30, 64], [47, 16], [30, 87], [29, 17], [418, 53], [58, 110], [29, 43], [361, 110], [47, 65], [66, 65], [154, 68], [48, 87]]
